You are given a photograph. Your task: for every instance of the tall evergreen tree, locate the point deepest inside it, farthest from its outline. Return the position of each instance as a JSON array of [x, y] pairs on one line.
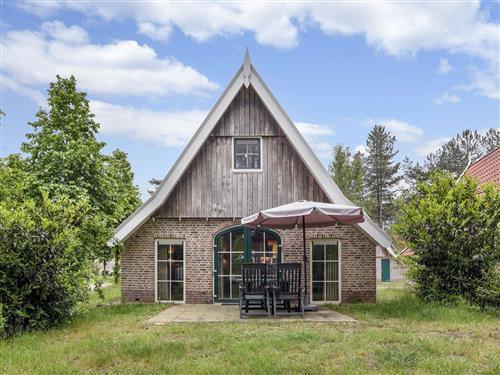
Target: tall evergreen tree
[[381, 171]]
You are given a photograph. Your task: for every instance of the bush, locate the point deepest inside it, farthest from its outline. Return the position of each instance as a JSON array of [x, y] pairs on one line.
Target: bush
[[452, 231], [44, 267]]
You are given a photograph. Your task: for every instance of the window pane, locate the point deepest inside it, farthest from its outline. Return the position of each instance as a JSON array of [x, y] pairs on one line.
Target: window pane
[[257, 241], [177, 271], [258, 257], [163, 292], [224, 291], [176, 252], [162, 270], [224, 243], [224, 263], [317, 290], [240, 162], [332, 271], [253, 162], [237, 241], [177, 291], [318, 271], [332, 252], [332, 291], [253, 146], [240, 146], [162, 252], [235, 288], [237, 261], [318, 252]]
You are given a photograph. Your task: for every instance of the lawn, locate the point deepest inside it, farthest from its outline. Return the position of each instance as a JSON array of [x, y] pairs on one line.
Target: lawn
[[397, 335]]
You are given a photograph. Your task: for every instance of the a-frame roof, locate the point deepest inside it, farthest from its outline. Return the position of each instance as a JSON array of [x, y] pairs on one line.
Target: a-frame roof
[[246, 76]]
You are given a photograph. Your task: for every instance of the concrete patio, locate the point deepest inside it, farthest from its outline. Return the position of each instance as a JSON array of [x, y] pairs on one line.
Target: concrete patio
[[229, 313]]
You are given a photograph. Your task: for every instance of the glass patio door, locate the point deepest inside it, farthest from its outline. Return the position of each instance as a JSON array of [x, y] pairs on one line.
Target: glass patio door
[[235, 246], [325, 275]]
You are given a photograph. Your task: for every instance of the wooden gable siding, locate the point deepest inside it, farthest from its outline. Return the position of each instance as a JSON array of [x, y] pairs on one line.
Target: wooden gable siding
[[209, 187]]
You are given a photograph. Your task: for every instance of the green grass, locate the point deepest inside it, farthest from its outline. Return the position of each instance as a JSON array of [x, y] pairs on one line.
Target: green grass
[[397, 335]]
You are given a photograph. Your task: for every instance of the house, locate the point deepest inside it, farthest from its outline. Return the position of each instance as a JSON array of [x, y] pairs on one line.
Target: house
[[389, 267], [486, 169], [185, 244]]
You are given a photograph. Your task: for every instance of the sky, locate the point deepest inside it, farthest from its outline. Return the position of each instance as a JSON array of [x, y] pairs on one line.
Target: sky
[[153, 70]]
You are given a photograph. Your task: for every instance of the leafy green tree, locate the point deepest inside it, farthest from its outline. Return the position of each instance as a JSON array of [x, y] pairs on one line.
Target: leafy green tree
[[124, 194], [358, 172], [466, 147], [348, 172], [452, 231], [381, 172], [340, 167]]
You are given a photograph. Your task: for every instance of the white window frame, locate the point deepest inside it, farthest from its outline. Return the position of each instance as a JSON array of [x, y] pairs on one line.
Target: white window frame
[[234, 170], [172, 241], [322, 241]]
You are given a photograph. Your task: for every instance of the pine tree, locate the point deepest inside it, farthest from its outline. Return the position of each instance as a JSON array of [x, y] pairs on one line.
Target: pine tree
[[381, 171]]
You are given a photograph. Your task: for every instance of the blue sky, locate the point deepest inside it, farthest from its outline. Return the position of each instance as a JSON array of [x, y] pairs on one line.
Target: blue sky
[[153, 70]]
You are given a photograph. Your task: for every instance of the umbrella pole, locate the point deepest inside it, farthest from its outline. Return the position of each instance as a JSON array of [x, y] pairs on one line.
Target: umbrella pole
[[305, 258]]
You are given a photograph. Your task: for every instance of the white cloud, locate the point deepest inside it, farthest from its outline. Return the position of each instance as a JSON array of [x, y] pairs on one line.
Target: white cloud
[[315, 135], [168, 128], [425, 148], [155, 32], [58, 31], [35, 95], [123, 68], [444, 67], [403, 131], [314, 130], [485, 81], [362, 149], [396, 28], [447, 98]]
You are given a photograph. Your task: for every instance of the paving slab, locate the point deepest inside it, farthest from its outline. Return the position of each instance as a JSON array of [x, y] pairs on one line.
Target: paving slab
[[186, 313]]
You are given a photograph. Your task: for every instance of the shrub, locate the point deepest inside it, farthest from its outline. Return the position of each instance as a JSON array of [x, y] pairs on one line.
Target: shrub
[[451, 229], [44, 267]]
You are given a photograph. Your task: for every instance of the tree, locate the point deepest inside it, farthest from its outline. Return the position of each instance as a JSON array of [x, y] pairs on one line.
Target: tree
[[452, 231], [381, 171], [340, 167], [358, 172], [124, 194], [348, 173], [466, 147]]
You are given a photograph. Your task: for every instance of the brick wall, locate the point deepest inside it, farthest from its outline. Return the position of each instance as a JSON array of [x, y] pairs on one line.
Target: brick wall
[[138, 268]]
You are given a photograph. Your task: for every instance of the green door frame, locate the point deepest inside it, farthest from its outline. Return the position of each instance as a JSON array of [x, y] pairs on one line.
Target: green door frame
[[385, 269], [247, 257]]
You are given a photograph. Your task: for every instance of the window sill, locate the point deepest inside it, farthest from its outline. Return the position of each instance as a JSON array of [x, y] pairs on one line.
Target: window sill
[[246, 170]]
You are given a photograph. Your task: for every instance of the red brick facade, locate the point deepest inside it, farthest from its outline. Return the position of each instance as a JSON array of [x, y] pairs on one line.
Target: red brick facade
[[358, 273]]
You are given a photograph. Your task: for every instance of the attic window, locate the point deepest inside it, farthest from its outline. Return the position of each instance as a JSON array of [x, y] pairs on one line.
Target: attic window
[[247, 154]]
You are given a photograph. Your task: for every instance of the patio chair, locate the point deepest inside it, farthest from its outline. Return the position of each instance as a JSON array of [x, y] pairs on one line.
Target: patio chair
[[288, 288], [253, 288]]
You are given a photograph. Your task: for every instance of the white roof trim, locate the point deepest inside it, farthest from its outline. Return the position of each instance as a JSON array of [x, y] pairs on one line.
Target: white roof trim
[[331, 189]]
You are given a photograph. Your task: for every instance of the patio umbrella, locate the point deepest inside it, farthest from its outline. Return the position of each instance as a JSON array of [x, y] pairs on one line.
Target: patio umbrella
[[305, 214]]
